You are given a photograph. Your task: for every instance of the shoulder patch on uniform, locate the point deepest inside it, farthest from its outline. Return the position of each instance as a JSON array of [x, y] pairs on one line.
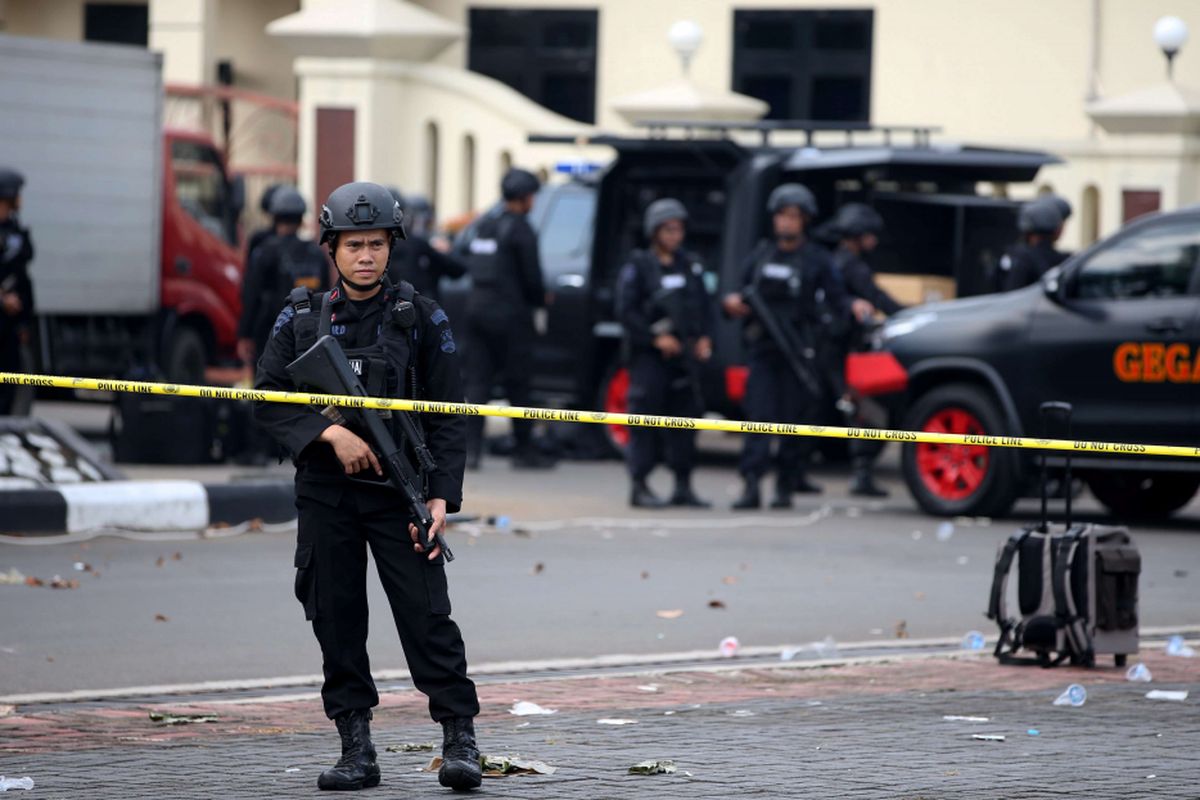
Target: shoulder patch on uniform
[[438, 317], [448, 345], [284, 318], [1006, 262], [697, 268]]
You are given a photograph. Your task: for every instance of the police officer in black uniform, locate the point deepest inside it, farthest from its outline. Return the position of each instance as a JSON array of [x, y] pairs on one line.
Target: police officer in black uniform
[[858, 227], [794, 276], [1063, 206], [506, 275], [416, 259], [262, 234], [16, 289], [669, 320], [1040, 223], [280, 263], [403, 346]]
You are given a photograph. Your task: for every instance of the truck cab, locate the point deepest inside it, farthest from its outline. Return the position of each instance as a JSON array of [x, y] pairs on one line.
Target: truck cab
[[1114, 331]]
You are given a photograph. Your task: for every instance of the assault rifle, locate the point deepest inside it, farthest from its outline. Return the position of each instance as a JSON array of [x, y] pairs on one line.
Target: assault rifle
[[325, 368], [793, 350], [674, 321]]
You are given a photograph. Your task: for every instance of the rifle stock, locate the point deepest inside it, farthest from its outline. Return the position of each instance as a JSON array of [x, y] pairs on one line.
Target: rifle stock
[[325, 368], [785, 343]]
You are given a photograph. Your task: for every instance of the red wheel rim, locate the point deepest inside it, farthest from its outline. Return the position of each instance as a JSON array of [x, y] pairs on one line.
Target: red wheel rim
[[953, 471], [616, 401]]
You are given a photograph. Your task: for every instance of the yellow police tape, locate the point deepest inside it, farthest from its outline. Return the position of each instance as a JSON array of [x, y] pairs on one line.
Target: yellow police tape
[[596, 417]]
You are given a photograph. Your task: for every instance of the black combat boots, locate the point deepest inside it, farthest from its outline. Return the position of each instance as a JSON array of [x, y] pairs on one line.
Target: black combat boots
[[356, 769], [684, 496], [460, 757], [641, 496], [750, 498], [863, 483]]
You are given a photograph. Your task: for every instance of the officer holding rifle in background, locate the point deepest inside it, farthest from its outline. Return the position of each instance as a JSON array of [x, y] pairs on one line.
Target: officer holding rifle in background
[[786, 279], [400, 345], [668, 319]]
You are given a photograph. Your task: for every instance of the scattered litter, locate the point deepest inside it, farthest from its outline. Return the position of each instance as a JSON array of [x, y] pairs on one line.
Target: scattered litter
[[916, 536], [944, 531], [292, 769], [538, 568], [500, 522], [716, 604], [7, 711], [729, 646], [1176, 646], [1139, 673], [1075, 695], [741, 712], [671, 613], [523, 725], [59, 582], [524, 708], [177, 557], [502, 766], [25, 783], [410, 747], [1151, 777], [902, 629], [616, 721], [645, 575], [80, 566], [161, 618], [32, 581], [1181, 573], [826, 648], [956, 718], [988, 737], [729, 580], [649, 687], [973, 640], [12, 577], [181, 719], [664, 767], [158, 562], [962, 561], [1033, 732], [1163, 694]]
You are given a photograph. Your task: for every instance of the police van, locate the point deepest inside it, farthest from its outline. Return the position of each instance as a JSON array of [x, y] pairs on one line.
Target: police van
[[942, 232], [1114, 331]]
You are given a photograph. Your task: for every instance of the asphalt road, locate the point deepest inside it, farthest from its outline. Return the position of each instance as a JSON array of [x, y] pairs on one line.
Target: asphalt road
[[577, 574]]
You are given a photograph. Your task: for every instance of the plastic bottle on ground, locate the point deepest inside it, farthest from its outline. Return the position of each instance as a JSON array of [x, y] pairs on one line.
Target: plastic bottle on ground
[[1138, 673], [973, 640], [1075, 695], [15, 783]]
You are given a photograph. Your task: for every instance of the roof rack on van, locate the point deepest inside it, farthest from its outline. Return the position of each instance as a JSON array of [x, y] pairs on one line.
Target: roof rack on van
[[661, 129]]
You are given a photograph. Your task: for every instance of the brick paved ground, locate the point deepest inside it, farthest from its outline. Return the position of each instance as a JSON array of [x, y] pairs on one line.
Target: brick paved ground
[[843, 732]]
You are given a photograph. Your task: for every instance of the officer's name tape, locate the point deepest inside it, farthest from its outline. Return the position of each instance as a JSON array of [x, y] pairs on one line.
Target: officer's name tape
[[595, 417]]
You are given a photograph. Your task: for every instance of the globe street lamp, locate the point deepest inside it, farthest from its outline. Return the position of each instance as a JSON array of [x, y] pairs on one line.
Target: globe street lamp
[[1170, 33]]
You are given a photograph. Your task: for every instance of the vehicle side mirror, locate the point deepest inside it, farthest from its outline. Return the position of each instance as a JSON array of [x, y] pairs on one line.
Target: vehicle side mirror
[[1054, 285], [237, 195]]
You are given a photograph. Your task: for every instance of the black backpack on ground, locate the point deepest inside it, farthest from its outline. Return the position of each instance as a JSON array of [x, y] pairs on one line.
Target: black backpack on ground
[[1076, 587]]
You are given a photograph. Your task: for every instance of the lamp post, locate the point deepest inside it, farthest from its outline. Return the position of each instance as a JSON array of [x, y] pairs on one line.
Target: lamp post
[[685, 36], [1170, 33]]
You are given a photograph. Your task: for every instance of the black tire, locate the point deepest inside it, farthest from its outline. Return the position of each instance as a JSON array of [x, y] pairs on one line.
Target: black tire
[[1143, 495], [997, 490], [185, 357]]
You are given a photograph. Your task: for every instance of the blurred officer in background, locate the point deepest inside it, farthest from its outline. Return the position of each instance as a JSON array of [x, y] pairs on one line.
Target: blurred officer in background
[[795, 279], [403, 345], [262, 234], [858, 228], [16, 289], [1064, 209], [418, 258], [668, 319], [506, 288], [1040, 223], [282, 262]]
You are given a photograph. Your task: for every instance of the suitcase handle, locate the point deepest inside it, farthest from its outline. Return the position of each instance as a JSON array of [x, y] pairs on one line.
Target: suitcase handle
[[1051, 411]]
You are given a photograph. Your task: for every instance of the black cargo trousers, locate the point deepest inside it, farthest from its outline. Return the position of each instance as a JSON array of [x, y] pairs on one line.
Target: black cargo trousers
[[338, 521]]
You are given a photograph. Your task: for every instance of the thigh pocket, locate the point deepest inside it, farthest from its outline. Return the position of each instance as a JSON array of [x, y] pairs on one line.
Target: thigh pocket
[[435, 584], [306, 580]]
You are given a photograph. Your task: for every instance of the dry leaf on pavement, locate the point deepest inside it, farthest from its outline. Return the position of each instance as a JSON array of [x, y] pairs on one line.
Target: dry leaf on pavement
[[670, 613]]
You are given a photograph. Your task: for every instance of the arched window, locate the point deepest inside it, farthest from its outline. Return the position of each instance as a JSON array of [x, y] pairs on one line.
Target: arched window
[[468, 174], [432, 156], [1089, 216]]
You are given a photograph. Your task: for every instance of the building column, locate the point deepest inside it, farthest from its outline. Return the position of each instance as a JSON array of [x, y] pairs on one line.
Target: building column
[[185, 32]]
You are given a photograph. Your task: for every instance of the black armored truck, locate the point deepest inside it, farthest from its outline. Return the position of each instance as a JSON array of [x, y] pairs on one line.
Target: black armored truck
[[1114, 331]]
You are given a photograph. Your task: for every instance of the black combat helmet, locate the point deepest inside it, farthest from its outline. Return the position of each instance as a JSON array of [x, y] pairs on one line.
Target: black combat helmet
[[1057, 202], [660, 212], [11, 182], [264, 202], [1039, 216], [857, 219], [792, 194], [361, 206], [518, 183], [287, 203]]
